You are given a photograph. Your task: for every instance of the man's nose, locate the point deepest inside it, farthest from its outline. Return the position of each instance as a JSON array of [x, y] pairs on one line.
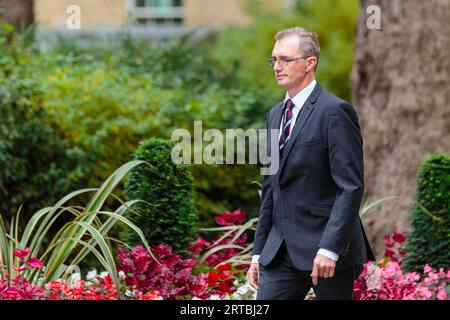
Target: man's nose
[[277, 66]]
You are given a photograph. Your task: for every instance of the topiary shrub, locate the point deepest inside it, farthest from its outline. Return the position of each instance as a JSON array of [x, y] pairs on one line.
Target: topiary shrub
[[171, 217], [428, 242]]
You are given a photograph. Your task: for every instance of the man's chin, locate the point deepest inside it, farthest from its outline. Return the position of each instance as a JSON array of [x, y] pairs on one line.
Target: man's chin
[[282, 83]]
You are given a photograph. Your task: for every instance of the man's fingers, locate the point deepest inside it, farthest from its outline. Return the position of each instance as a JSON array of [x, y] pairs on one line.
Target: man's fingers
[[321, 270], [253, 277], [326, 273], [332, 272], [315, 274], [254, 281]]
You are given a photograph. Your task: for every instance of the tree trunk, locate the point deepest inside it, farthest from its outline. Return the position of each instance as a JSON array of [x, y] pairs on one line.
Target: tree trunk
[[400, 88], [19, 13]]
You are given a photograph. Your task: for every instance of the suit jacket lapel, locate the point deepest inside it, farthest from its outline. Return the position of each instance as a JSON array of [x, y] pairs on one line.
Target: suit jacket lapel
[[276, 121], [305, 112], [274, 124]]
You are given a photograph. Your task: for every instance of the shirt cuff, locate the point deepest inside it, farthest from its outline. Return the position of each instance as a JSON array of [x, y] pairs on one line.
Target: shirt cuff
[[255, 258], [329, 254]]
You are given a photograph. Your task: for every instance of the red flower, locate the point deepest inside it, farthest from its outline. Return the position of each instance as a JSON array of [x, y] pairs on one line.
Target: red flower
[[213, 278], [224, 267], [228, 219], [150, 295], [35, 263], [21, 253], [225, 286], [20, 269], [398, 237]]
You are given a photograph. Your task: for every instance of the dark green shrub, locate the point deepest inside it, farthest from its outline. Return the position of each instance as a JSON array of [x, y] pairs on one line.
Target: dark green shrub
[[171, 217], [428, 243]]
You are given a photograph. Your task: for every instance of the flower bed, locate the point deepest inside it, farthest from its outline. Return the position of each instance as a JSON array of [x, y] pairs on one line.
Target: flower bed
[[212, 272], [385, 280]]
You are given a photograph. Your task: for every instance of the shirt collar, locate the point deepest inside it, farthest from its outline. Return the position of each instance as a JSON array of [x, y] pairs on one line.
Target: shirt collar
[[301, 97]]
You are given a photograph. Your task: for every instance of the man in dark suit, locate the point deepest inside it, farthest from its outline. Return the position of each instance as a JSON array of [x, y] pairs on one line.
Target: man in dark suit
[[309, 233]]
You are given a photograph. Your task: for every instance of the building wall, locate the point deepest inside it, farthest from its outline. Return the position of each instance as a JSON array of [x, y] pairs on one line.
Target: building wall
[[113, 13], [216, 13], [94, 13]]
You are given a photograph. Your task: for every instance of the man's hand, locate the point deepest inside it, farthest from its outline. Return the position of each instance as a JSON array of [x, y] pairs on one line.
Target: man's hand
[[323, 267], [253, 275]]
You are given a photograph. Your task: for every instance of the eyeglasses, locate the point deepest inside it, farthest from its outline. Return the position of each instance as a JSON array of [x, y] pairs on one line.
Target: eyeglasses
[[283, 62]]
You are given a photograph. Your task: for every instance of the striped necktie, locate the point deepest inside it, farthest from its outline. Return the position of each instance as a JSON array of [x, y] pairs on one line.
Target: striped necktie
[[287, 119]]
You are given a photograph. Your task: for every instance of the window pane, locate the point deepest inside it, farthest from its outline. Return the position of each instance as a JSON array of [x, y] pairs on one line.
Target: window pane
[[177, 3], [160, 3], [140, 3], [142, 21]]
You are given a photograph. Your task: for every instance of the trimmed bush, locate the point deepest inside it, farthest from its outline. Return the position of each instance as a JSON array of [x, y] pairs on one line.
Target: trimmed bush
[[171, 217], [428, 243]]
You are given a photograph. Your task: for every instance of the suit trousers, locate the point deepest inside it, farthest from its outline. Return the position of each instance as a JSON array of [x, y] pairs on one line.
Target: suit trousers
[[281, 280]]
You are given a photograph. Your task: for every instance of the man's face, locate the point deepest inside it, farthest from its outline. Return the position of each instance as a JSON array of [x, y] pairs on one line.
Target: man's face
[[293, 74]]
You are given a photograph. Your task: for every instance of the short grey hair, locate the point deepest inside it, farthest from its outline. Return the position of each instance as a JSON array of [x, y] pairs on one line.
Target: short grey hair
[[309, 43]]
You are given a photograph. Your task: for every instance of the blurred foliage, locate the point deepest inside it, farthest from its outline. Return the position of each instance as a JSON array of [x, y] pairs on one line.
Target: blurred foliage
[[107, 105], [37, 166], [249, 49], [101, 101]]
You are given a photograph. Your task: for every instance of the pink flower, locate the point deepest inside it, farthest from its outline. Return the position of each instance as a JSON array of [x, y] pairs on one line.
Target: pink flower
[[398, 237], [35, 263], [20, 269], [442, 294], [427, 269], [228, 219], [392, 269], [21, 253], [394, 244]]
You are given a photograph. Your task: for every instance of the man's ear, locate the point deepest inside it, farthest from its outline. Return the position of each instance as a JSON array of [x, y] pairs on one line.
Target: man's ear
[[312, 62]]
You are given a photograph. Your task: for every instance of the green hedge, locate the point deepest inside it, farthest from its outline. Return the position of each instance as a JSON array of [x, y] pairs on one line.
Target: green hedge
[[37, 166], [429, 241], [170, 216]]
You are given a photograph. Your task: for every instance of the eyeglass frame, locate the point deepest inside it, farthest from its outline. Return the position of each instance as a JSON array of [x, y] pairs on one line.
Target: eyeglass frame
[[273, 61]]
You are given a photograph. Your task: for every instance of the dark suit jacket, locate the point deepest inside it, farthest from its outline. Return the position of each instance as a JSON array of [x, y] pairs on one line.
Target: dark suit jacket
[[314, 199]]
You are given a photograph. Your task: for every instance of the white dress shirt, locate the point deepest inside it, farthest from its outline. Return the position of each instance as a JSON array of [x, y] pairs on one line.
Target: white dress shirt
[[299, 100]]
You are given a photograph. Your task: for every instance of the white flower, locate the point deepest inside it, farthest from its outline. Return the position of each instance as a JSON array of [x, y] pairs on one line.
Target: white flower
[[214, 297], [104, 274], [244, 292], [122, 275], [91, 275], [74, 279]]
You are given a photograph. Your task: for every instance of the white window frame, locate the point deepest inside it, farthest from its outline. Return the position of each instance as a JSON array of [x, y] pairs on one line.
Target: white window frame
[[148, 12]]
